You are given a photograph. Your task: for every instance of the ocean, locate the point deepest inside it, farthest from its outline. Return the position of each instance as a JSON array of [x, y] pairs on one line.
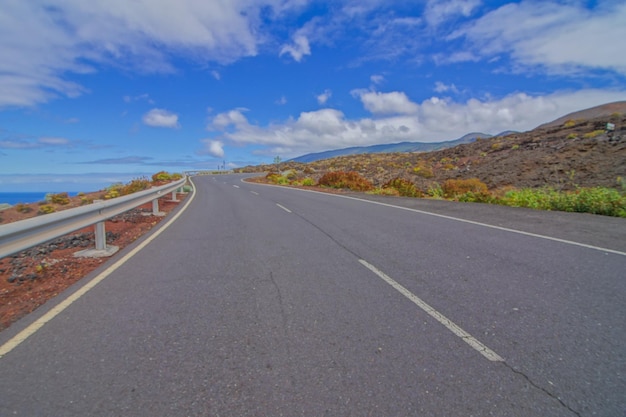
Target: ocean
[[32, 197]]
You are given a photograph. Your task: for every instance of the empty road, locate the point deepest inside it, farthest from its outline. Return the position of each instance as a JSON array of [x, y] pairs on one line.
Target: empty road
[[267, 301]]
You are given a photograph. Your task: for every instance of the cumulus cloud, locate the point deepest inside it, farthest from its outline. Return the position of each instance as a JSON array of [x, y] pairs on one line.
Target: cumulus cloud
[[161, 118], [432, 120], [224, 120], [386, 103], [560, 37], [323, 98], [212, 147]]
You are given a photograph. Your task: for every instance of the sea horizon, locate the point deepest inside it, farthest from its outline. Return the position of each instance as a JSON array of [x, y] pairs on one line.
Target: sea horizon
[[27, 197]]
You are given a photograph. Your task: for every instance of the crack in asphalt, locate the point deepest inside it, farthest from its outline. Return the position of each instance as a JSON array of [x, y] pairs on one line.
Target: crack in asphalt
[[540, 388], [281, 306]]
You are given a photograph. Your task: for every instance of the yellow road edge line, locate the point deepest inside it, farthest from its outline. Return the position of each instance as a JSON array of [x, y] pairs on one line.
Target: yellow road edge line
[[56, 310]]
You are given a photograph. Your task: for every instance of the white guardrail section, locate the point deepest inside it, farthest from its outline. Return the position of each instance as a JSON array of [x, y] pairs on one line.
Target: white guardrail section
[[24, 234]]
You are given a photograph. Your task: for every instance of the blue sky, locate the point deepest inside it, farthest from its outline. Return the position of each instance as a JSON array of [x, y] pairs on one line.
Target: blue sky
[[101, 91]]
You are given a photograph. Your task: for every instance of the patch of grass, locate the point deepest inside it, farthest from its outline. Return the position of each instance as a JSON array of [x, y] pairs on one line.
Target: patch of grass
[[569, 123], [350, 180], [593, 134], [384, 191], [594, 200], [423, 170], [277, 179], [435, 191]]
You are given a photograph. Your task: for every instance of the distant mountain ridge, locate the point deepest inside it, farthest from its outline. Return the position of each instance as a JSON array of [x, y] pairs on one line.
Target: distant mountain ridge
[[393, 147]]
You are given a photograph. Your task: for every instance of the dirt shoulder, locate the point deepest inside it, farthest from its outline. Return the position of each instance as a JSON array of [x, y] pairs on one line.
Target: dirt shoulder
[[32, 277]]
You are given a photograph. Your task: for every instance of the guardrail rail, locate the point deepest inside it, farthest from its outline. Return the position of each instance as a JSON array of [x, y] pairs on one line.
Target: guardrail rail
[[24, 234]]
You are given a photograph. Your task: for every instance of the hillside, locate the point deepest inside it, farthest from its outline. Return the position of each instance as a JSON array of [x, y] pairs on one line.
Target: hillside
[[573, 153]]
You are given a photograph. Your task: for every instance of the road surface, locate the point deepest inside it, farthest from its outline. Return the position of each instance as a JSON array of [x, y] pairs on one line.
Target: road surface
[[267, 301]]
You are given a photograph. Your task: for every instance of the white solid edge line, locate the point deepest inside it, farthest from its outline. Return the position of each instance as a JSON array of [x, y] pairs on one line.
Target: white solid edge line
[[56, 310], [443, 216], [449, 324]]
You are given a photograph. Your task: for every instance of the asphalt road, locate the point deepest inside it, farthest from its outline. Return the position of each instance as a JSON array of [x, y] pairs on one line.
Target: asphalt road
[[266, 301]]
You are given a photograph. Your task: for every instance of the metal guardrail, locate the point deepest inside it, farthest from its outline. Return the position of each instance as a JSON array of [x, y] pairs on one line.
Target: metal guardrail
[[24, 234]]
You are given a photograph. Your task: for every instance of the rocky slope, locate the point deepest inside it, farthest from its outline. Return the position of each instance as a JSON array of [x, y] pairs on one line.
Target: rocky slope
[[576, 152]]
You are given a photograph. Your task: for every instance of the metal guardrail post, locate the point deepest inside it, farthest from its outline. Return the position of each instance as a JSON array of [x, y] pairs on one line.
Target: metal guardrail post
[[101, 236], [100, 233]]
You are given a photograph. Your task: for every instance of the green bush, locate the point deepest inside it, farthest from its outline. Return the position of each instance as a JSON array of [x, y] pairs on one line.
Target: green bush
[[595, 200], [161, 176], [46, 209], [60, 198]]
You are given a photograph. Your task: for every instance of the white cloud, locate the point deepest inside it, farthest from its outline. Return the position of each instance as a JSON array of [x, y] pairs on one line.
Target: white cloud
[[224, 120], [434, 119], [298, 49], [438, 11], [161, 118], [323, 98], [54, 141], [141, 97], [213, 147], [281, 101], [443, 88], [561, 37], [41, 44], [216, 75], [42, 142], [377, 79], [386, 103]]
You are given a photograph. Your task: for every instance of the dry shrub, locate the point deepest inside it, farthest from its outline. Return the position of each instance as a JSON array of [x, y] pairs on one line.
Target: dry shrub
[[460, 188], [404, 187], [350, 180], [135, 185]]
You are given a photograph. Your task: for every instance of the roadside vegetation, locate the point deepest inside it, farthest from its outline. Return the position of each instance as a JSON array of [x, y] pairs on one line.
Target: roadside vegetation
[[596, 200]]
